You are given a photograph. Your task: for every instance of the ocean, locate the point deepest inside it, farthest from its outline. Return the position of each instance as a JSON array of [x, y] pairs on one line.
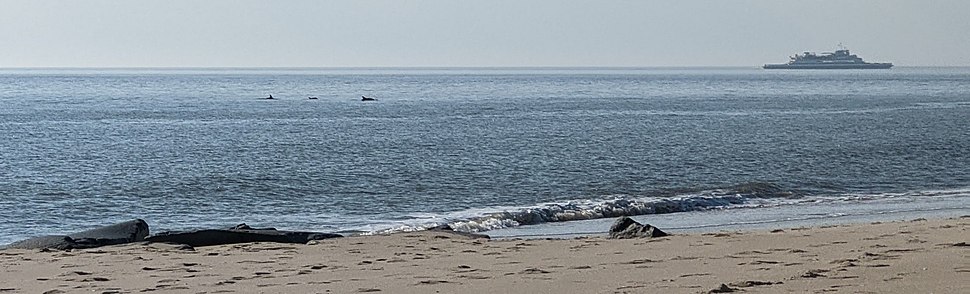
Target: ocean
[[540, 151]]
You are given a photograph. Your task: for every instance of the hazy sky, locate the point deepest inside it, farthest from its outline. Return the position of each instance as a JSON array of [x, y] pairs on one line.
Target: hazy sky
[[373, 33]]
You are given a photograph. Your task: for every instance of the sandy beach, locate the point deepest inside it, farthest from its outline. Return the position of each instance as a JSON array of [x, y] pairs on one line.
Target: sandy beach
[[915, 256]]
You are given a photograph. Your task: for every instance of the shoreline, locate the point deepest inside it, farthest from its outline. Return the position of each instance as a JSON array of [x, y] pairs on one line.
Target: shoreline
[[758, 218], [883, 257], [740, 218]]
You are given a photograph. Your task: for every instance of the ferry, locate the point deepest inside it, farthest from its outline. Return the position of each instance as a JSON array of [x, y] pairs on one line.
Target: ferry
[[840, 59]]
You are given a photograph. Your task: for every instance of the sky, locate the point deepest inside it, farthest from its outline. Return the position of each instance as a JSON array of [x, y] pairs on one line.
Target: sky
[[458, 33]]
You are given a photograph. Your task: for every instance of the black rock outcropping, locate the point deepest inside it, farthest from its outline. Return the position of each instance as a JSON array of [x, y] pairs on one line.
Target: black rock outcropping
[[238, 234], [627, 228], [137, 230], [120, 233]]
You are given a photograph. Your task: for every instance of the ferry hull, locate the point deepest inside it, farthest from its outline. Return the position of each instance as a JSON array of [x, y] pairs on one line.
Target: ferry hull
[[829, 66]]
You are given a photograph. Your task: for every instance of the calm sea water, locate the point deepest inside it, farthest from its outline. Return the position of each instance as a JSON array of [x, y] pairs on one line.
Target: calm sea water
[[476, 148]]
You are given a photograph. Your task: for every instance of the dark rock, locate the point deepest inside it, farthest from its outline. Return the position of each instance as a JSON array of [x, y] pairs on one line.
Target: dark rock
[[238, 234], [627, 228], [121, 233], [59, 242], [291, 236]]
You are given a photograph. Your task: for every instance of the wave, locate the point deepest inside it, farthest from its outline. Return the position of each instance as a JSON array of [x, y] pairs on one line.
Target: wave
[[747, 194]]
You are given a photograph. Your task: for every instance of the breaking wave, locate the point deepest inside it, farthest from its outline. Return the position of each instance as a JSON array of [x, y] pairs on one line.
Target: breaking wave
[[749, 194]]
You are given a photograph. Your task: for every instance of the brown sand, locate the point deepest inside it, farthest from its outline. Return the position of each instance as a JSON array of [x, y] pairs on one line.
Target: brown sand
[[899, 257]]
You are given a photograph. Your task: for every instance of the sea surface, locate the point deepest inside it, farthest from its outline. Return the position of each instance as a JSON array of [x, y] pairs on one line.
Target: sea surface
[[486, 150]]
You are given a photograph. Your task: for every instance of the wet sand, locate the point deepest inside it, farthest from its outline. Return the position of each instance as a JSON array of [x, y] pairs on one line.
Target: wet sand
[[916, 256]]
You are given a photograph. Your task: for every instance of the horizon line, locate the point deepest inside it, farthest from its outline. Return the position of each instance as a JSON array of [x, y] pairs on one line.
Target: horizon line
[[413, 67]]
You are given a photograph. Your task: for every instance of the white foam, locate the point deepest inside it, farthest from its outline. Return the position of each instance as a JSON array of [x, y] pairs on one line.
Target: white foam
[[492, 218]]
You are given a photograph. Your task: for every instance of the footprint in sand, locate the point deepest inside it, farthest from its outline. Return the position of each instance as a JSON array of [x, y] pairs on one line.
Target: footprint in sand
[[73, 274], [845, 262], [433, 282], [753, 252], [638, 261], [465, 269], [905, 250], [534, 270], [815, 273], [695, 275], [760, 262], [256, 261], [868, 256]]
